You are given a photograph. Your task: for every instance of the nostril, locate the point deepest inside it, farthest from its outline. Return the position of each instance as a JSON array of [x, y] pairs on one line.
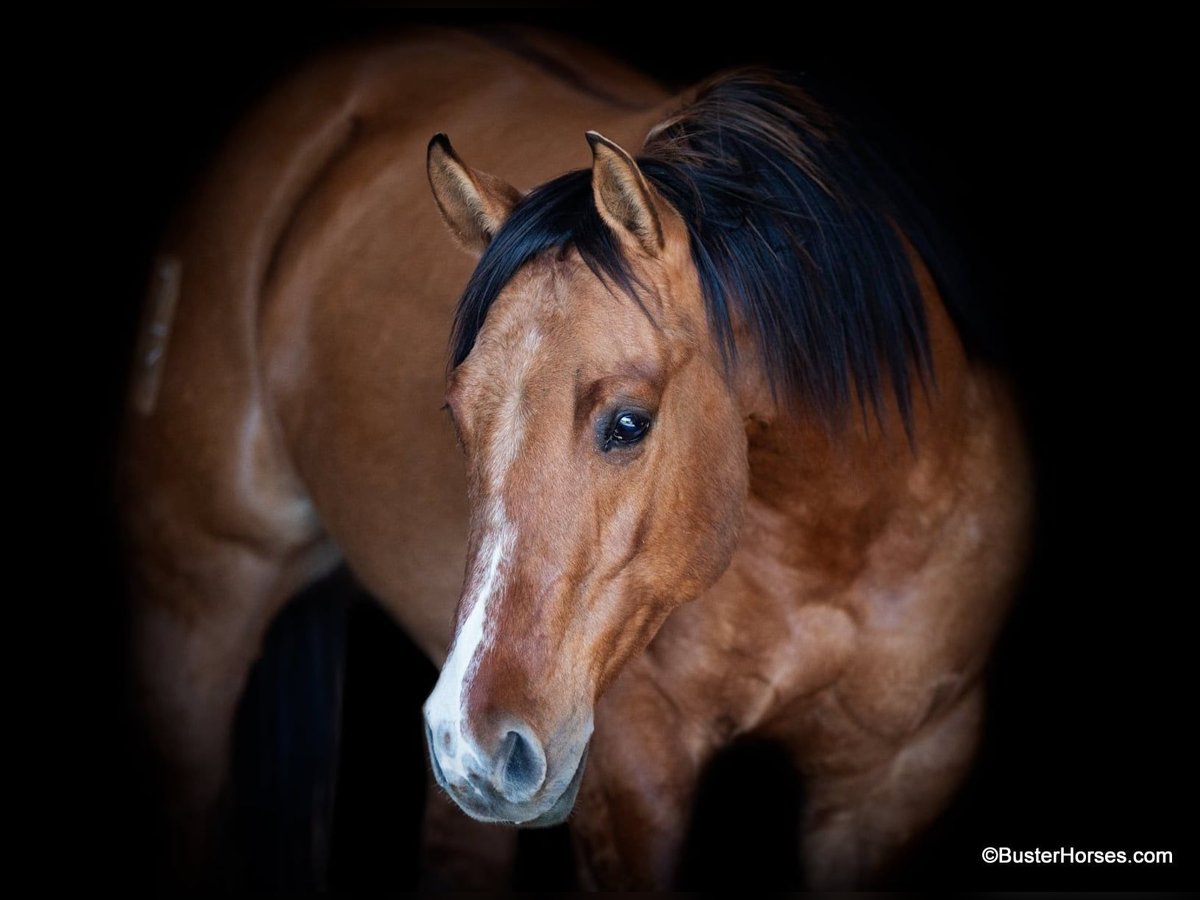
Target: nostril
[[522, 766]]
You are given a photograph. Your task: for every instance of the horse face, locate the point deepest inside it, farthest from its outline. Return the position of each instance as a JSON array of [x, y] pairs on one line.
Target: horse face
[[606, 464]]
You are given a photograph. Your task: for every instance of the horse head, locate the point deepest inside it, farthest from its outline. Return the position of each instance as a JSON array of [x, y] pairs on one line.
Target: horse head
[[606, 459]]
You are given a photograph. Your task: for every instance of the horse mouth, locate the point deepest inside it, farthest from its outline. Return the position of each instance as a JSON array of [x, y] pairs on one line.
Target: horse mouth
[[557, 814], [508, 814]]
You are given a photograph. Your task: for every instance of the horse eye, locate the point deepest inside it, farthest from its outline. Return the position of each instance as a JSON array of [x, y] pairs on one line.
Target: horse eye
[[627, 427]]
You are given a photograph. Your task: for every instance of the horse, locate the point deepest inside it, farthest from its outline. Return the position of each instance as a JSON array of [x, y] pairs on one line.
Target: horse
[[710, 450]]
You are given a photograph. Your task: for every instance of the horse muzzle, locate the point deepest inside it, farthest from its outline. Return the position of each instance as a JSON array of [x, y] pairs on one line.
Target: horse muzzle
[[513, 783]]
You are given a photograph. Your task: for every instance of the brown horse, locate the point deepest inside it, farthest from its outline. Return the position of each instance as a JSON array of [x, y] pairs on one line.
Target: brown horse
[[729, 469]]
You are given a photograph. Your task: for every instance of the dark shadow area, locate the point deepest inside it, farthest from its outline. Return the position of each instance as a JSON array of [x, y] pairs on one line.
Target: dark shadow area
[[545, 860], [286, 744], [382, 775], [745, 825]]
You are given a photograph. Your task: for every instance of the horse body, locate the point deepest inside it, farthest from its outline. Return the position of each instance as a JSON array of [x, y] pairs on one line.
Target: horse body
[[834, 590]]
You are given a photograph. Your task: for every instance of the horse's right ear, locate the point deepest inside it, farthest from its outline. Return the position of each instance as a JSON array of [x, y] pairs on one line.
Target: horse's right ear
[[474, 204]]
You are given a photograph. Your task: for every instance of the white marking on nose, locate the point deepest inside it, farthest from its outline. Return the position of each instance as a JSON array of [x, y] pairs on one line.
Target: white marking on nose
[[444, 710]]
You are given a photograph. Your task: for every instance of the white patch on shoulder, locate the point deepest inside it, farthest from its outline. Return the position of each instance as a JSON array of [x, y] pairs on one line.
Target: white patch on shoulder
[[155, 331]]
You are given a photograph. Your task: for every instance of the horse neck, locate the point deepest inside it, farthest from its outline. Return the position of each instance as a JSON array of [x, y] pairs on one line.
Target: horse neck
[[820, 497]]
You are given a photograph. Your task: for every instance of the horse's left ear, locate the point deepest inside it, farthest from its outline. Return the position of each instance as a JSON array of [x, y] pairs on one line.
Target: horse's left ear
[[625, 201], [474, 204]]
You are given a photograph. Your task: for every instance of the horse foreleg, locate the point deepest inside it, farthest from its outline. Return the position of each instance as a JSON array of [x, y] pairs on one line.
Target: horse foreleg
[[198, 622], [857, 824]]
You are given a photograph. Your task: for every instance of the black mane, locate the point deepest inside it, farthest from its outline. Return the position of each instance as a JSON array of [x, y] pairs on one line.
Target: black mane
[[792, 226]]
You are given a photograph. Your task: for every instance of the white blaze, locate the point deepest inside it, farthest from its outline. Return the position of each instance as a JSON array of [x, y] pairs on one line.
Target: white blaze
[[445, 707], [444, 710]]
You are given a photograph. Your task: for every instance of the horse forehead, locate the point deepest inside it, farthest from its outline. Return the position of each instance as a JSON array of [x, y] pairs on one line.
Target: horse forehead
[[526, 304], [561, 318]]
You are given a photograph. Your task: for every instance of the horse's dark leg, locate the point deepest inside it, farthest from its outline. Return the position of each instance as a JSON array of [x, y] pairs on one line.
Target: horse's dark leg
[[286, 744], [857, 823]]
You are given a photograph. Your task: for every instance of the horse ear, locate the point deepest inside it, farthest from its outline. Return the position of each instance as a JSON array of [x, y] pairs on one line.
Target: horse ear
[[474, 204], [624, 199]]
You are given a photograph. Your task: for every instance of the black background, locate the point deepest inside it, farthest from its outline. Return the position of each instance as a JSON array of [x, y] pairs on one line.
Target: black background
[[1036, 151]]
